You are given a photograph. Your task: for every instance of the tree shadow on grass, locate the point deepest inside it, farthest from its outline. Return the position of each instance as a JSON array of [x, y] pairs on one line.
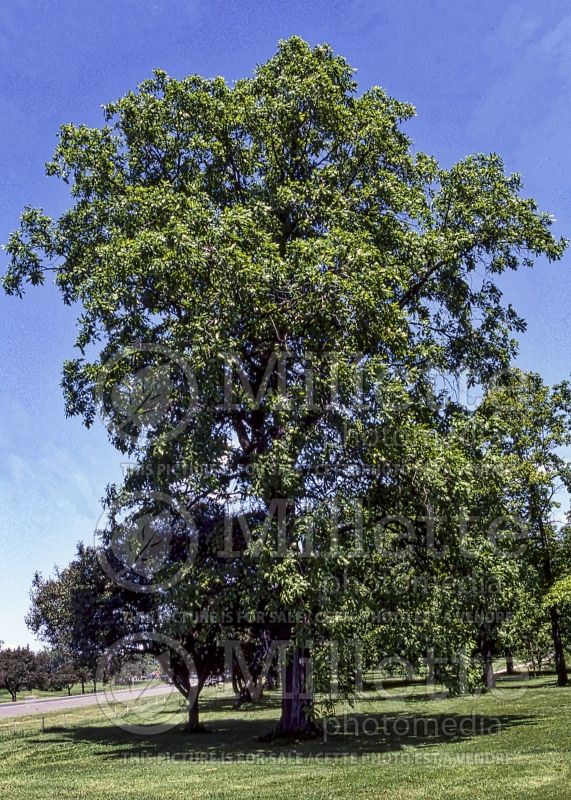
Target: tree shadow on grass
[[528, 683], [234, 738]]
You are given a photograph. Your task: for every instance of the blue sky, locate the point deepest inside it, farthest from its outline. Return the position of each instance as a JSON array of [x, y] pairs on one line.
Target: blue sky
[[484, 76]]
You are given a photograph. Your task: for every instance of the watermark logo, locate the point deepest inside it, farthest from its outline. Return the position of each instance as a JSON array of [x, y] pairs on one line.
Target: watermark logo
[[151, 541], [146, 388]]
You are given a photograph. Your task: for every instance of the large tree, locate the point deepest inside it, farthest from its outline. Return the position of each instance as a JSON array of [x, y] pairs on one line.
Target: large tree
[[282, 221]]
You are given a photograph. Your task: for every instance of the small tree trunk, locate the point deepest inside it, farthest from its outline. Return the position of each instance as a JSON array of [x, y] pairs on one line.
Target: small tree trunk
[[489, 677], [533, 664], [510, 669], [242, 688], [235, 681], [297, 698], [94, 685], [560, 665], [69, 691], [193, 724], [430, 671], [82, 687], [13, 694]]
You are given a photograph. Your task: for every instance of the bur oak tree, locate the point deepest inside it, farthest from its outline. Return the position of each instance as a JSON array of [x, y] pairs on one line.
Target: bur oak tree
[[279, 238]]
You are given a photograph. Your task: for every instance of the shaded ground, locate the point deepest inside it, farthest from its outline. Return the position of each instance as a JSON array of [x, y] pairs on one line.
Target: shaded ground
[[514, 744]]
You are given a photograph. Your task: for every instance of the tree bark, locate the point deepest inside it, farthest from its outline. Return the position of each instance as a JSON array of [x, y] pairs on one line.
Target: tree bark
[[193, 723], [182, 681], [297, 698], [510, 669], [560, 665], [487, 662]]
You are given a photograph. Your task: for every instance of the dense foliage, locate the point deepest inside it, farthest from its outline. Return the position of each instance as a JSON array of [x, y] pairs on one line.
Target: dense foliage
[[275, 292]]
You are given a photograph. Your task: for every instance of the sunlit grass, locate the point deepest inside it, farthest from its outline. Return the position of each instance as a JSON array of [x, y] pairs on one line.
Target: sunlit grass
[[513, 743]]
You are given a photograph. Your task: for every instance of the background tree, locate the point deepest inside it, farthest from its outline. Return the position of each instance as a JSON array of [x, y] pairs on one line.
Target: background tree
[[17, 670], [65, 676], [530, 424], [528, 630], [76, 612], [82, 613], [559, 595]]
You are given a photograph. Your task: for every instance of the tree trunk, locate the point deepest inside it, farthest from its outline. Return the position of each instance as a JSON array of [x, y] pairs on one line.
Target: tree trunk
[[487, 662], [82, 687], [13, 694], [235, 683], [193, 723], [182, 681], [510, 669], [94, 686], [297, 698], [242, 688], [560, 665]]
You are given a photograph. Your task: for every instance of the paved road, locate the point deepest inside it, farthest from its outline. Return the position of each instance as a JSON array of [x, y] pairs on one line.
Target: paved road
[[47, 706]]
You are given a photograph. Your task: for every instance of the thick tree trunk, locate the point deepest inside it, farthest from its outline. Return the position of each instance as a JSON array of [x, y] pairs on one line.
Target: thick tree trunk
[[560, 665], [510, 669], [485, 647], [297, 698]]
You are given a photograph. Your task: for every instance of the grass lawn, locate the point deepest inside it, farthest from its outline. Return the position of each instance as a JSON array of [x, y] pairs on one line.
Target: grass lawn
[[514, 743], [5, 697]]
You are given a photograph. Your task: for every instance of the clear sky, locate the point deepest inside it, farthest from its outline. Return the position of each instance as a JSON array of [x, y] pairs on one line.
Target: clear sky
[[484, 76]]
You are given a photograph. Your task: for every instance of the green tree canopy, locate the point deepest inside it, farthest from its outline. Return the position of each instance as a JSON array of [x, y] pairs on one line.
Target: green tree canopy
[[285, 221], [529, 425]]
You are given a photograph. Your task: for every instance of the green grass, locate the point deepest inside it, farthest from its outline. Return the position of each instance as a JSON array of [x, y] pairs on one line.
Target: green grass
[[5, 697], [506, 745], [40, 694]]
